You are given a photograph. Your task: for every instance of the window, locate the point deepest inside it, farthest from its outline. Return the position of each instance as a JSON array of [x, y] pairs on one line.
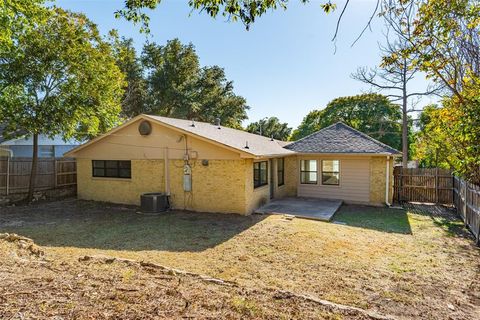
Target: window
[[46, 152], [331, 172], [281, 171], [260, 174], [111, 169], [308, 171]]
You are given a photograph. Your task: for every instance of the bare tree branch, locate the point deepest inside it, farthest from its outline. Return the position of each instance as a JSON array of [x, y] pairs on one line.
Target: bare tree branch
[[368, 25], [339, 20]]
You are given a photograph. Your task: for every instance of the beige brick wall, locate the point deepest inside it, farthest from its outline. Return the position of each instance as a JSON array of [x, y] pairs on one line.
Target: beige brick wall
[[218, 187], [289, 189], [147, 176], [254, 197], [378, 169]]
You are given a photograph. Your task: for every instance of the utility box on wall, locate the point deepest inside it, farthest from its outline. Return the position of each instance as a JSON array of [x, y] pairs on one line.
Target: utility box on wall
[[187, 178]]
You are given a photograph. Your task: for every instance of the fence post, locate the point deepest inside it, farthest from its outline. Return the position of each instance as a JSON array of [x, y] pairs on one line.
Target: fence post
[[454, 191], [7, 184], [465, 201], [478, 236], [436, 185], [55, 177], [400, 189]]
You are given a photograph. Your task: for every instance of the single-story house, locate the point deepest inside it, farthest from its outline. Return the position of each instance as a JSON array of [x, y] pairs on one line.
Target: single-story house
[[21, 145], [211, 168]]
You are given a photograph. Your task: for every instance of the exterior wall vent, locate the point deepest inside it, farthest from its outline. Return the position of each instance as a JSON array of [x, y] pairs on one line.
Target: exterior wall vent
[[145, 128]]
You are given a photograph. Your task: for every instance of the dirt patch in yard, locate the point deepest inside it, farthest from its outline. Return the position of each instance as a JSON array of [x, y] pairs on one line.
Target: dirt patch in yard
[[33, 286], [409, 264]]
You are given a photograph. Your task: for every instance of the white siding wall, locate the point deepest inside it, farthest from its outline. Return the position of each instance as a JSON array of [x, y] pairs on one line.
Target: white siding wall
[[354, 181]]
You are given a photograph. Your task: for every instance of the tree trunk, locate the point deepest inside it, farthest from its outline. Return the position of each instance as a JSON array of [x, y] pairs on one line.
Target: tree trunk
[[404, 119], [33, 172]]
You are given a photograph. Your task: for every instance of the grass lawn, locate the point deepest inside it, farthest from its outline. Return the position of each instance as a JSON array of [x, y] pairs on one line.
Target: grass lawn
[[406, 263]]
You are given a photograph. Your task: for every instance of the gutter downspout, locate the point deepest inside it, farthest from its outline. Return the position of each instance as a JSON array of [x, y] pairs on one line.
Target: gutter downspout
[[387, 182]]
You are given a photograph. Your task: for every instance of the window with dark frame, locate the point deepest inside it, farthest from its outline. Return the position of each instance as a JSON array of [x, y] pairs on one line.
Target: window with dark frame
[[281, 171], [260, 174], [331, 172], [308, 172], [112, 169]]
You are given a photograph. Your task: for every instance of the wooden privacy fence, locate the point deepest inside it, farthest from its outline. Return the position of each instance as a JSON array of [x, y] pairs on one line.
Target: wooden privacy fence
[[439, 186], [422, 185], [467, 202], [52, 173]]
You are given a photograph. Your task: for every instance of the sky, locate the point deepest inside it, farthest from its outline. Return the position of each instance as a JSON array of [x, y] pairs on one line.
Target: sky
[[285, 66]]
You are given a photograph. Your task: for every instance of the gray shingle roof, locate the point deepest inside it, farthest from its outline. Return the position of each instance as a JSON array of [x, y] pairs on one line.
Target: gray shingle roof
[[340, 138], [257, 145]]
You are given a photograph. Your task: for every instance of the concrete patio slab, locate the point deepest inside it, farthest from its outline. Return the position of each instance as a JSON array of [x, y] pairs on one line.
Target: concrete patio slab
[[308, 208]]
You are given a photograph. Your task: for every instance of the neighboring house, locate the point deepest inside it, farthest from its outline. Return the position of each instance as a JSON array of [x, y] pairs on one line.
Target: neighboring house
[[230, 170], [22, 146]]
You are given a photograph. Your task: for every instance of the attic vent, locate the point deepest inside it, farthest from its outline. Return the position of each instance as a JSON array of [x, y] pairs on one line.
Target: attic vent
[[145, 128], [218, 122], [246, 145]]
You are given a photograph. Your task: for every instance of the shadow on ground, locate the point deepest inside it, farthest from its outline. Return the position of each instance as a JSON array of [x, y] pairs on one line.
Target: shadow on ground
[[86, 224], [442, 216], [374, 218]]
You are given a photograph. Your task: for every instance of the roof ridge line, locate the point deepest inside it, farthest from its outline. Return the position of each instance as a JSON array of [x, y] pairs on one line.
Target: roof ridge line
[[223, 127], [369, 137], [313, 133]]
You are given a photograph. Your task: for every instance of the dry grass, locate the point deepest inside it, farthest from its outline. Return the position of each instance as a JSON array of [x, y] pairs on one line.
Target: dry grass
[[36, 288], [402, 263]]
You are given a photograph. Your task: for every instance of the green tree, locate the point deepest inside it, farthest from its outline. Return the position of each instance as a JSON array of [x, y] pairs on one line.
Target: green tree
[[394, 78], [18, 16], [371, 113], [215, 99], [446, 44], [135, 90], [245, 11], [270, 127], [430, 141], [449, 135], [178, 87], [309, 124], [59, 78]]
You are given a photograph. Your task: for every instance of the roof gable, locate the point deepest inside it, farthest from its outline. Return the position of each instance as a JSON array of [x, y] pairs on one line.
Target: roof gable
[[340, 138], [231, 139]]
